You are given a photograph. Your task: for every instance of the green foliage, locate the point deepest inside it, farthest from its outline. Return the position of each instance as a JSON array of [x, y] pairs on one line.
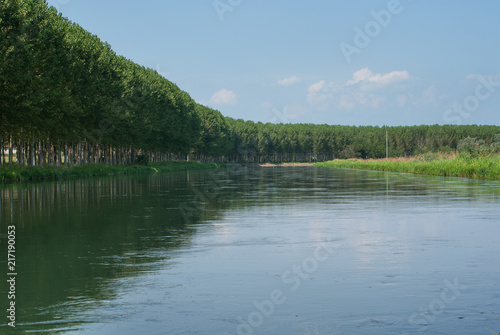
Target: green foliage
[[141, 160], [21, 173], [58, 80], [477, 147], [470, 145], [215, 137]]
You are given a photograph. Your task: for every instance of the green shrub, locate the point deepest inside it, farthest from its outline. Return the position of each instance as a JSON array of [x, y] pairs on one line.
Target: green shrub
[[470, 145]]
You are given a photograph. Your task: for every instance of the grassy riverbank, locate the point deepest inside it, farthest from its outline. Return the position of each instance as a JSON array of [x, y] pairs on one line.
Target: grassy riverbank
[[23, 173], [487, 167]]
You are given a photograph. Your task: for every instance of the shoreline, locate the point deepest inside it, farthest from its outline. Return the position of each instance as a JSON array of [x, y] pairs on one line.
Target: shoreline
[[285, 164], [16, 173], [487, 167], [448, 166]]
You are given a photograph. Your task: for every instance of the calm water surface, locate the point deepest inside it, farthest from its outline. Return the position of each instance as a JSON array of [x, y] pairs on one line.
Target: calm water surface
[[286, 250]]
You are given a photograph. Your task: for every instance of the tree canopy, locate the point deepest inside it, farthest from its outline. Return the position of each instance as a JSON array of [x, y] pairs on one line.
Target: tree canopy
[[65, 93]]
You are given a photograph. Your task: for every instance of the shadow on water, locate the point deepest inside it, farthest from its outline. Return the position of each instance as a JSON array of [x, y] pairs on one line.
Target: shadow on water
[[77, 239]]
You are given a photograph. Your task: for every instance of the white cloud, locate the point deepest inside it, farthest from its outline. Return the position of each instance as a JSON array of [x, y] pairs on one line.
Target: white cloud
[[429, 96], [367, 76], [365, 89], [224, 97], [288, 81], [347, 102], [477, 77], [320, 93], [317, 86]]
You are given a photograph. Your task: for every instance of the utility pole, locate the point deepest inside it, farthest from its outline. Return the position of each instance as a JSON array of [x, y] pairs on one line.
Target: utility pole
[[386, 144]]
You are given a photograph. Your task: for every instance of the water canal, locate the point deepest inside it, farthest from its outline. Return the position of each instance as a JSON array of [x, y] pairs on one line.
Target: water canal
[[248, 250]]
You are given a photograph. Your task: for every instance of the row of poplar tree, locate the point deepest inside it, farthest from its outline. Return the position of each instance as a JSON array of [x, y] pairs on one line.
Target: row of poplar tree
[[67, 98]]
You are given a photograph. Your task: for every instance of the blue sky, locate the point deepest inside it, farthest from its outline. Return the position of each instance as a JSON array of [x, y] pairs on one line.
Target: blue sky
[[352, 62]]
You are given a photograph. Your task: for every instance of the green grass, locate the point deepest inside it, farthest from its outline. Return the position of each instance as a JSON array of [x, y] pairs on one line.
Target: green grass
[[461, 166], [23, 173]]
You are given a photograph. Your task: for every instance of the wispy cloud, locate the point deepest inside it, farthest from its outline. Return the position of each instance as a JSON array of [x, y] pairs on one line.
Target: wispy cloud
[[367, 76], [477, 77], [321, 94], [224, 97], [289, 81], [365, 89], [430, 96], [317, 87]]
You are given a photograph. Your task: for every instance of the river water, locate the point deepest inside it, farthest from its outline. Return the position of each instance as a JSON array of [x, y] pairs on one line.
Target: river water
[[248, 250]]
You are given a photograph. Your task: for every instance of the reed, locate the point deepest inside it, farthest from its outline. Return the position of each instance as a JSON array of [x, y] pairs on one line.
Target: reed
[[463, 165]]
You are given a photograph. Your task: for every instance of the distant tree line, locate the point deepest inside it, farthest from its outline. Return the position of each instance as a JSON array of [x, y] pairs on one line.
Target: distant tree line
[[307, 142], [67, 98]]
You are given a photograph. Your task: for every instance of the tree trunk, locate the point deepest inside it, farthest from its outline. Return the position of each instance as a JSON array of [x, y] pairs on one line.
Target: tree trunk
[[20, 153], [40, 153], [1, 151], [91, 154], [71, 154], [78, 154], [11, 150], [59, 153], [31, 156], [49, 152], [85, 153], [66, 154], [82, 153]]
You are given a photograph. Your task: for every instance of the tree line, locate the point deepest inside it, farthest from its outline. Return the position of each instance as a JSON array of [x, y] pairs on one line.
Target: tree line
[[268, 142], [67, 98]]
